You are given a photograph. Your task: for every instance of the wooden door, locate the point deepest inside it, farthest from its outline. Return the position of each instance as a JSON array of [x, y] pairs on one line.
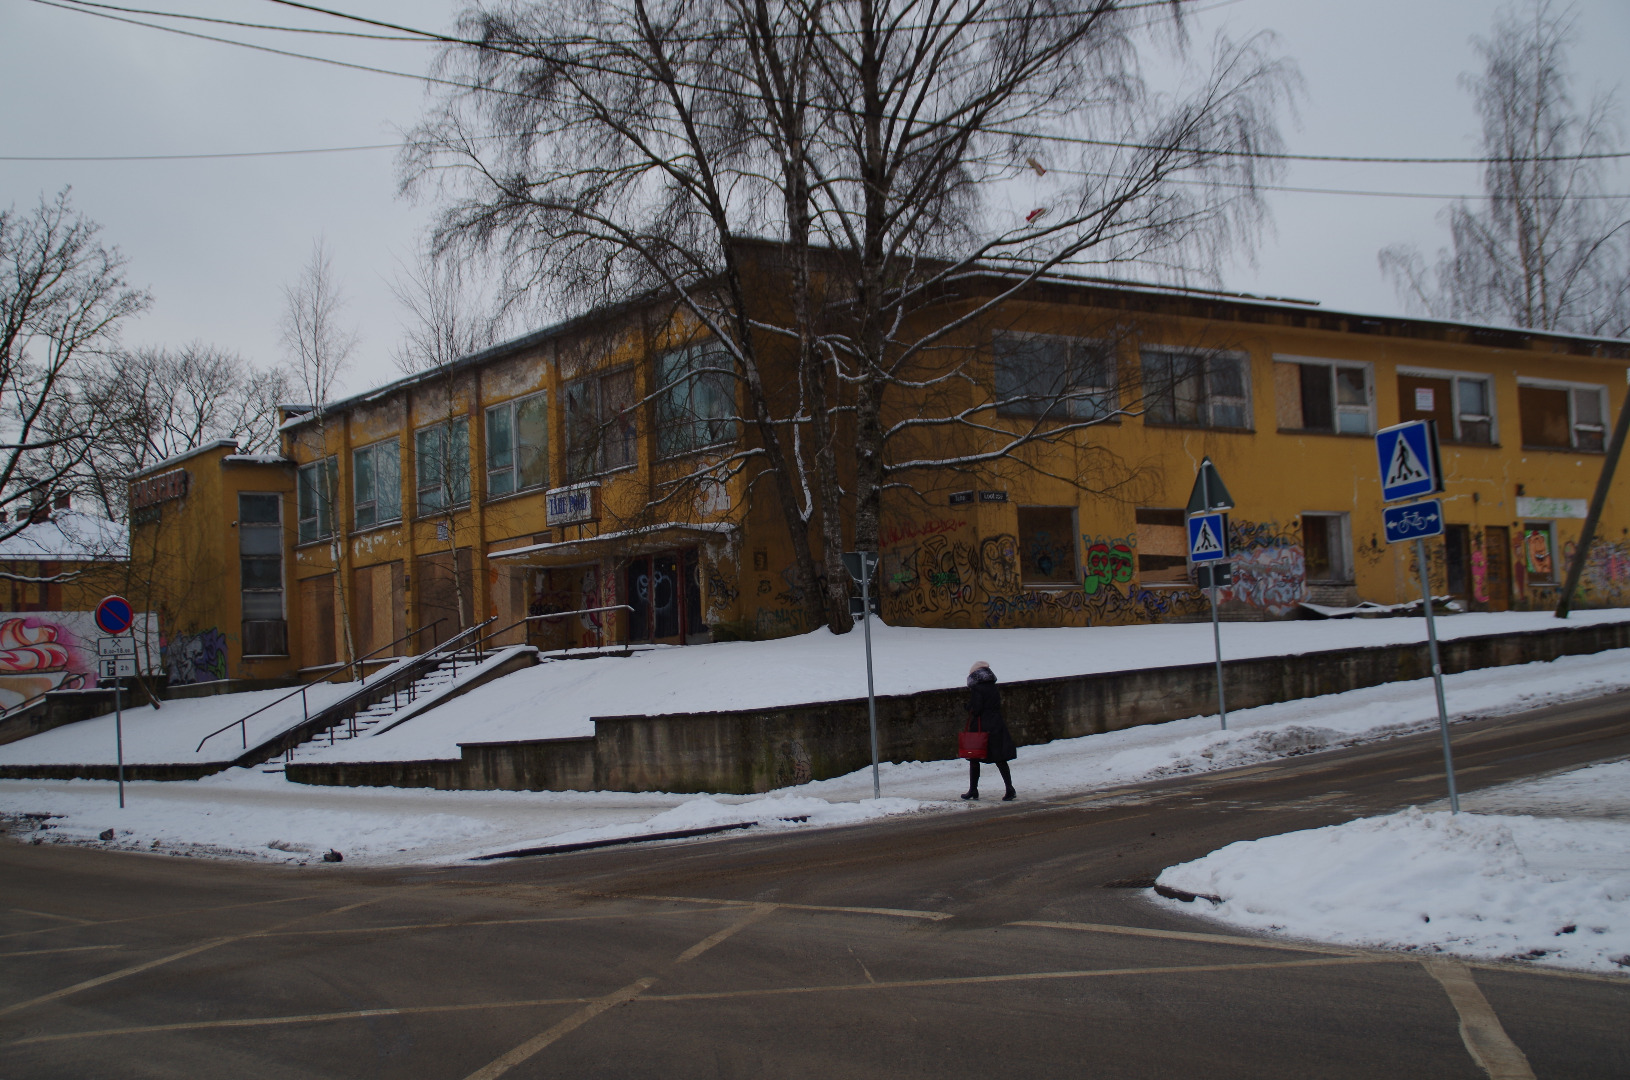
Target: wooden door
[[1497, 566], [444, 597], [381, 611], [318, 643]]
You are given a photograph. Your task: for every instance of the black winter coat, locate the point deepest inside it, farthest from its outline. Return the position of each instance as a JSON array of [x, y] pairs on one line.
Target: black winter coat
[[985, 714]]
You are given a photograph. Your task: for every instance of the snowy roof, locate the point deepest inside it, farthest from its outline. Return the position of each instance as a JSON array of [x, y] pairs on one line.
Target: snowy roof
[[176, 459], [69, 536]]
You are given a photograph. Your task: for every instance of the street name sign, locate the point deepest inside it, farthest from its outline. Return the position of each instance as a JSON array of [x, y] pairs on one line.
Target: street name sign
[[1408, 454], [1416, 521], [1208, 538]]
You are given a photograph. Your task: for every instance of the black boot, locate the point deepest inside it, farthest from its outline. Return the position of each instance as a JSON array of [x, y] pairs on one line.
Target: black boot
[[971, 795], [1011, 794]]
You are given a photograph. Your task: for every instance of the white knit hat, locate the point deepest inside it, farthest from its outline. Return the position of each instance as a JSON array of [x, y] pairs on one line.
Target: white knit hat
[[977, 664]]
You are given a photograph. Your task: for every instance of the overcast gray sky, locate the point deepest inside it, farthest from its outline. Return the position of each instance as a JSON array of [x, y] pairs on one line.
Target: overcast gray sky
[[216, 240]]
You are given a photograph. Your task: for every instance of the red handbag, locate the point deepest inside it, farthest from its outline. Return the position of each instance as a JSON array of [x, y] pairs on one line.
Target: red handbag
[[972, 745]]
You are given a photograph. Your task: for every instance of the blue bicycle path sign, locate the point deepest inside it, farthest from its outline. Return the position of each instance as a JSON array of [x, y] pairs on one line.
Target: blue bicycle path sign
[[1409, 461], [1208, 538], [1416, 521]]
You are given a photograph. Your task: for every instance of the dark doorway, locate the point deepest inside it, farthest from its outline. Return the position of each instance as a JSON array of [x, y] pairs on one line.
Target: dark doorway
[[1497, 569], [443, 597], [665, 592], [1457, 560]]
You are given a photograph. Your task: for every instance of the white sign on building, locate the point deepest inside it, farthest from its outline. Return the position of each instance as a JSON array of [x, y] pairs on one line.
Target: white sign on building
[[566, 506]]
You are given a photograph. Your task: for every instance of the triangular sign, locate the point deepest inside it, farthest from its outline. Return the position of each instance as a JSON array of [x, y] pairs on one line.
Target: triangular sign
[[1206, 542], [1406, 467], [1209, 493]]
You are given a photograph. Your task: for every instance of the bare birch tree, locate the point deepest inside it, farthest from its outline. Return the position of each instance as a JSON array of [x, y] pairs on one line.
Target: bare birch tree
[[319, 348], [891, 152], [1546, 248]]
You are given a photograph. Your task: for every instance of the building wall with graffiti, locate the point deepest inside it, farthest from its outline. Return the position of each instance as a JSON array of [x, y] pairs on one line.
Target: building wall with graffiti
[[44, 651]]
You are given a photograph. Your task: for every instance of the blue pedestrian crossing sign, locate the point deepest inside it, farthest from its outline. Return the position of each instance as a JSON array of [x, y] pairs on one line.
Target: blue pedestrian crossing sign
[[1416, 521], [1409, 460], [1208, 538]]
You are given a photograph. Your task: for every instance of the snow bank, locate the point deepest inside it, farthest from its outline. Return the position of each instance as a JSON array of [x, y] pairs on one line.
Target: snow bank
[[1509, 887]]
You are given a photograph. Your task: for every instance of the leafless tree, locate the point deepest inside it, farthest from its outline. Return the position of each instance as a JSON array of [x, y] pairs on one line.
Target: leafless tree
[[161, 402], [63, 296], [319, 347], [1546, 248], [916, 164]]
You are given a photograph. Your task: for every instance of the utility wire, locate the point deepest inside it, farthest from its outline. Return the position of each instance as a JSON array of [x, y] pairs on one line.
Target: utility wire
[[73, 5], [247, 25]]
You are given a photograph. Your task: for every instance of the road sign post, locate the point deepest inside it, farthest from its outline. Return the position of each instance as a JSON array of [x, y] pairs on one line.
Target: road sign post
[[861, 566], [1408, 456], [1208, 550], [114, 616]]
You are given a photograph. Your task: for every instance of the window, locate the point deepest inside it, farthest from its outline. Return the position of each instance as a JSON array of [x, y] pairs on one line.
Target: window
[[1323, 395], [376, 483], [518, 445], [442, 465], [317, 485], [1056, 378], [1325, 547], [1196, 389], [1538, 552], [1561, 417], [1047, 545], [260, 569], [1163, 546], [696, 400], [1462, 405], [600, 432]]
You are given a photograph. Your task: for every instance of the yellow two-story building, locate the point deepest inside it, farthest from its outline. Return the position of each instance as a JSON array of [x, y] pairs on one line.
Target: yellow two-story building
[[536, 486]]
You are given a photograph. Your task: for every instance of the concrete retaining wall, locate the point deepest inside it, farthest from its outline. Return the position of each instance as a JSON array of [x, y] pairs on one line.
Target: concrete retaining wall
[[755, 750]]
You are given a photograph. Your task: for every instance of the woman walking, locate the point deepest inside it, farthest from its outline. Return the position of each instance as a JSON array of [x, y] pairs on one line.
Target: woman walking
[[985, 714]]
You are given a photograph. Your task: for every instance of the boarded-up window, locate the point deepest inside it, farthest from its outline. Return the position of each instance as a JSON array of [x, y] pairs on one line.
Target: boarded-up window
[[321, 633], [381, 609], [1459, 405], [1323, 395], [1047, 545], [1561, 418], [1162, 546], [443, 597]]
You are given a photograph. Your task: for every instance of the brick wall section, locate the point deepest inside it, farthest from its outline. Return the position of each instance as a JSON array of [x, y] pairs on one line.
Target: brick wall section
[[755, 750]]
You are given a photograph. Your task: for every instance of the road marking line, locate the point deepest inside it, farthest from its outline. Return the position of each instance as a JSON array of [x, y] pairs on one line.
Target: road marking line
[[54, 915], [1187, 935], [1036, 976], [1480, 1029], [582, 1016], [308, 1018], [454, 925], [160, 915], [71, 948], [899, 913], [753, 915], [137, 969]]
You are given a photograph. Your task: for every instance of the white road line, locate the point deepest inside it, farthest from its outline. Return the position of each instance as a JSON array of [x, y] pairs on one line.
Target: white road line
[[757, 912], [53, 915], [1210, 939], [582, 1016], [159, 915], [1480, 1029], [70, 948], [898, 913]]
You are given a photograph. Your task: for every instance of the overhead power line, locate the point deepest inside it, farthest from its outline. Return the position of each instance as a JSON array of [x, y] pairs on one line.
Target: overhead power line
[[79, 7], [249, 25]]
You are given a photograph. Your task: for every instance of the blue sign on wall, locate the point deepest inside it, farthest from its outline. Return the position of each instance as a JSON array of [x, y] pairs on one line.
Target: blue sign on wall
[[1409, 461], [1413, 522], [1208, 538]]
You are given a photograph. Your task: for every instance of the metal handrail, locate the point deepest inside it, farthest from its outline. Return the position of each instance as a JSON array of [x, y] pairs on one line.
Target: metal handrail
[[305, 705], [560, 615], [356, 665]]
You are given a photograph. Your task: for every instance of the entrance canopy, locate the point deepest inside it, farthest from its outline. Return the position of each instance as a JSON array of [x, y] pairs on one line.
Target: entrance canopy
[[638, 541]]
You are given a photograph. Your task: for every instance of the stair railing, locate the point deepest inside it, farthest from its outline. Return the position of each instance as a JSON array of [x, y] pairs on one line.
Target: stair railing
[[356, 665], [452, 643], [559, 615]]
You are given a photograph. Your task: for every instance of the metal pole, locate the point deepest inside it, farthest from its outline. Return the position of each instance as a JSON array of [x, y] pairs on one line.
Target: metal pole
[[871, 697], [1437, 675], [1216, 629], [119, 734], [1587, 533]]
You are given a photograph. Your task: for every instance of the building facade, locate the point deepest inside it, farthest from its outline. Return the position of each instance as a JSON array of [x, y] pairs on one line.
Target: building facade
[[538, 479]]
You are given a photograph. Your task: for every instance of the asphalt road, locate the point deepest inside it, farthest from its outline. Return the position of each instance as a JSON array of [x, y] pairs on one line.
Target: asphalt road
[[1011, 940]]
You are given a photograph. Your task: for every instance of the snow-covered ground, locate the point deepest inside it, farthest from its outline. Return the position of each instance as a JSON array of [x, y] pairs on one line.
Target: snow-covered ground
[[560, 699], [247, 814], [1538, 871]]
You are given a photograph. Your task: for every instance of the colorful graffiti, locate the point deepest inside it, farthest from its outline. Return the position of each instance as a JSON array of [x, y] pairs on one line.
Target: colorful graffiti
[[38, 655], [1480, 575], [1109, 560], [196, 658], [1269, 567], [1107, 607], [900, 532], [1605, 578]]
